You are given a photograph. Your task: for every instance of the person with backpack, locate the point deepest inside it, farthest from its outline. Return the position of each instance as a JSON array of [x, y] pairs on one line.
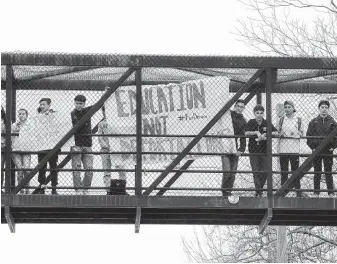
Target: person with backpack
[[290, 130], [319, 128]]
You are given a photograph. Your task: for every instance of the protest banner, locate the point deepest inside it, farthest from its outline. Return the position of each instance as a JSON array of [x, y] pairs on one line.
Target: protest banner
[[173, 109]]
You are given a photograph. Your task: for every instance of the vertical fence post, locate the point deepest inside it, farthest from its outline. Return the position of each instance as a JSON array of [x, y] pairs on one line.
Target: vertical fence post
[[138, 181], [270, 81], [8, 122]]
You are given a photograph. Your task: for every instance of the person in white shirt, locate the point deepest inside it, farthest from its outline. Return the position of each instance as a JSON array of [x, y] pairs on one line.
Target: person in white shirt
[[290, 129], [21, 160]]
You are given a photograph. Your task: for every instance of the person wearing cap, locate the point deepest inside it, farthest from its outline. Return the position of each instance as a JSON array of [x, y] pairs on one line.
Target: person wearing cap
[[290, 130], [319, 128], [257, 146], [83, 145]]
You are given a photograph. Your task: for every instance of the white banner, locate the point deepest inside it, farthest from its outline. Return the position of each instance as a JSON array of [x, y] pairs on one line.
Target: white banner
[[179, 109], [44, 131]]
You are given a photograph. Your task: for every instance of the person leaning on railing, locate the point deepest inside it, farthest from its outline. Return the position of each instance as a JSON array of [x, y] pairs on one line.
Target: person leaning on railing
[[230, 161], [290, 129], [21, 160], [321, 126], [257, 129], [83, 144]]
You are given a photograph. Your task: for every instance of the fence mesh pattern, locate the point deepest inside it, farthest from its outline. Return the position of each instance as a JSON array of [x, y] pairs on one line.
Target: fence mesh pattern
[[177, 103]]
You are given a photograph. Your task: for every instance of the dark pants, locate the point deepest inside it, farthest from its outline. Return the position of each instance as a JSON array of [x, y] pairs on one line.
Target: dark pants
[[259, 163], [284, 164], [52, 165], [327, 161], [229, 163], [3, 161]]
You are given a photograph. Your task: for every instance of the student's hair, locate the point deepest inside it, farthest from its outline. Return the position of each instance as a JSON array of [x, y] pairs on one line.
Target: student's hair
[[80, 98], [48, 100], [240, 101], [22, 109], [324, 102], [258, 108]]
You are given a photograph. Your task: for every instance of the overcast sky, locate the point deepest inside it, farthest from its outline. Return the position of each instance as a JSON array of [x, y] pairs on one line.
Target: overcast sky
[[148, 27]]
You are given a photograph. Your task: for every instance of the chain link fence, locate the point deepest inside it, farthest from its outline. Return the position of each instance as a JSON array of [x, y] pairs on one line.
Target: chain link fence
[[177, 103]]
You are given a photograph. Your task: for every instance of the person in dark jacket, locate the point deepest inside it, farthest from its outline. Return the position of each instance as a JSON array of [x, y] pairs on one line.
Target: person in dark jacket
[[321, 126], [257, 146], [230, 161], [83, 144]]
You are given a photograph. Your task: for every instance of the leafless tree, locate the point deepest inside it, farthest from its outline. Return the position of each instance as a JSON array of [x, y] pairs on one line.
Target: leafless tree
[[222, 244], [276, 27]]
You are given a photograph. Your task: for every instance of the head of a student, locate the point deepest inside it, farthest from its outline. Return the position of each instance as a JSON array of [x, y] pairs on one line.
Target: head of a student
[[239, 106], [259, 112], [22, 114], [44, 104], [323, 108], [289, 107], [79, 101]]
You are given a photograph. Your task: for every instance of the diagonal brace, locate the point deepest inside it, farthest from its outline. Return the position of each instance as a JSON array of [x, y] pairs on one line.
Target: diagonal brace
[[306, 165], [175, 176], [72, 131], [266, 220], [9, 219], [203, 132], [138, 217]]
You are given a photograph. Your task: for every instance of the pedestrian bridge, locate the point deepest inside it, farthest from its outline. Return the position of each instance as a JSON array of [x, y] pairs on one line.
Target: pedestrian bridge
[[170, 126]]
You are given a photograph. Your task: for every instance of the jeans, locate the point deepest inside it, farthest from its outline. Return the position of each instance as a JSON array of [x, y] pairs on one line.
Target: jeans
[[259, 163], [229, 163], [327, 161], [76, 162], [284, 165], [22, 161], [52, 165], [107, 165]]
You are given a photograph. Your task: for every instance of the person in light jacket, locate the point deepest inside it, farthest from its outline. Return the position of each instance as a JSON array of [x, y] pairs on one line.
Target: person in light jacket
[[21, 160]]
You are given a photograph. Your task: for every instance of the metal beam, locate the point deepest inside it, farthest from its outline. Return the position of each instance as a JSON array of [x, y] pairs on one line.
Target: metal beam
[[306, 165], [79, 124], [175, 176], [98, 85], [69, 202], [203, 132], [139, 130], [265, 221], [8, 124], [138, 218], [111, 60], [9, 219]]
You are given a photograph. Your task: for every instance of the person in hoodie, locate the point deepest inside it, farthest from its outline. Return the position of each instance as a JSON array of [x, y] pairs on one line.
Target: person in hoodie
[[46, 120], [107, 159], [321, 126], [230, 161], [83, 145], [290, 129], [21, 160]]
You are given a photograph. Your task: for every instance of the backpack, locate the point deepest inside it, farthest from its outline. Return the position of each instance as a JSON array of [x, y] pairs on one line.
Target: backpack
[[299, 123]]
